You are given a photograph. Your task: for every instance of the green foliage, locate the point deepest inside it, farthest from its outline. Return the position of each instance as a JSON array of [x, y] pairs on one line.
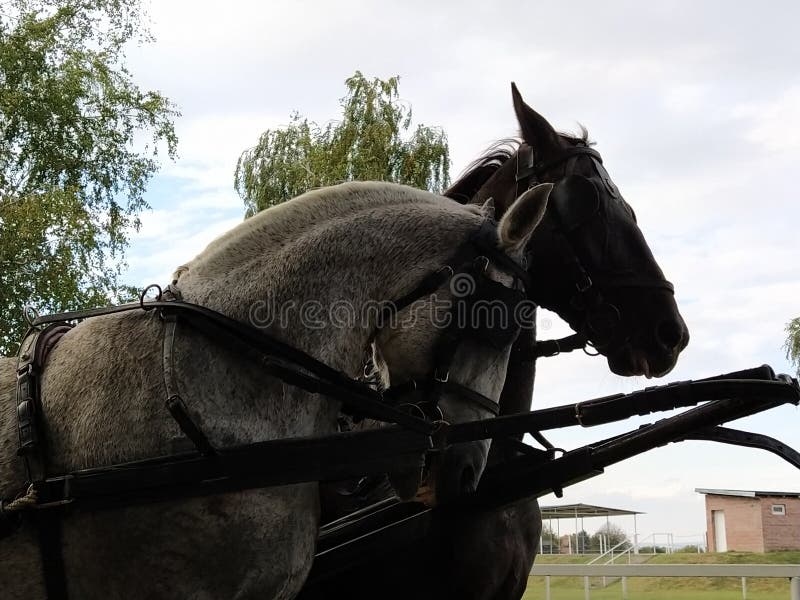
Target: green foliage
[[614, 533], [368, 143], [78, 143], [582, 543], [792, 345]]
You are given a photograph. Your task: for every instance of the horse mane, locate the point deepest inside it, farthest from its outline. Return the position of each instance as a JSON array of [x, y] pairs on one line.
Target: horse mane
[[479, 171]]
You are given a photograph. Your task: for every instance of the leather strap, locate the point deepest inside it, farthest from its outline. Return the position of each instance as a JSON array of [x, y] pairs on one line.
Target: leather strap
[[547, 348], [49, 527], [174, 402]]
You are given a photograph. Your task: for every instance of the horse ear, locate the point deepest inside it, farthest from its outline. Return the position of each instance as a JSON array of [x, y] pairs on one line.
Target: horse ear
[[521, 219], [536, 131], [488, 209]]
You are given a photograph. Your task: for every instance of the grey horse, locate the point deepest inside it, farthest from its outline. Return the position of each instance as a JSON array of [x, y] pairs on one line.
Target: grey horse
[[102, 390]]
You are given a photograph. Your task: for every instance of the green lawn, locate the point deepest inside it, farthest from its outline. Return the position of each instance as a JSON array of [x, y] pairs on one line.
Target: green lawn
[[672, 588]]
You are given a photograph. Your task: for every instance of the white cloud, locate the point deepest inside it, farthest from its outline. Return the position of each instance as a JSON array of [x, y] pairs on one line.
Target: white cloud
[[775, 124], [687, 97]]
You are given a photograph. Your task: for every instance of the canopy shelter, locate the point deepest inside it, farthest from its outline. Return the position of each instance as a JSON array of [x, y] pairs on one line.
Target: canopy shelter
[[582, 511]]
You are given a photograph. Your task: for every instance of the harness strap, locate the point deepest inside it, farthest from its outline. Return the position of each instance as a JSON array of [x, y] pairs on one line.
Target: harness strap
[[426, 287], [485, 239], [530, 167], [547, 348], [174, 402], [472, 396], [32, 355], [49, 528], [395, 394], [296, 367]]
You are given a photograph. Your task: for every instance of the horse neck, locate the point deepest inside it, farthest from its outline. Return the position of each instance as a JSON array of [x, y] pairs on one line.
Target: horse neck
[[517, 394], [273, 272]]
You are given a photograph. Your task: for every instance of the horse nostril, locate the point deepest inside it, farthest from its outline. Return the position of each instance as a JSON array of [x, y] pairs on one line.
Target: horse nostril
[[669, 333], [468, 483]]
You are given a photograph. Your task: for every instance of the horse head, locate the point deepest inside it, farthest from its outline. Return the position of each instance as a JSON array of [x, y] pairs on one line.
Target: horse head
[[468, 349], [589, 260]]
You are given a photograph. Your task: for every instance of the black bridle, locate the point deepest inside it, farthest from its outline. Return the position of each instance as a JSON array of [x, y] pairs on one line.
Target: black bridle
[[576, 202]]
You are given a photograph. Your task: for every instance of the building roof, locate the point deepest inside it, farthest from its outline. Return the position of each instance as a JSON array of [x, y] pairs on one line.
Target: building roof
[[572, 511], [747, 493]]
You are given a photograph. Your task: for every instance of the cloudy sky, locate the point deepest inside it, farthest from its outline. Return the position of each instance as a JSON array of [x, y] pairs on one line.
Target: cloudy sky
[[694, 106]]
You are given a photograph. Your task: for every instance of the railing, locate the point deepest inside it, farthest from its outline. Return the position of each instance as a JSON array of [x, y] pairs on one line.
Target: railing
[[624, 547], [791, 572]]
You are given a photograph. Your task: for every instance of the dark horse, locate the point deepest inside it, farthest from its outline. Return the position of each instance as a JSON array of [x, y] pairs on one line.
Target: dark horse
[[590, 263]]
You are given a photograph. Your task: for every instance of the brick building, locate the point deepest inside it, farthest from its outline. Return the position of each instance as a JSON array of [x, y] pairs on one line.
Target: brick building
[[751, 520]]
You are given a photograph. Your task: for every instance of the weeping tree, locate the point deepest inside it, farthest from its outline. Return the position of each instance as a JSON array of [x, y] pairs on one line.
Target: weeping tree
[[79, 141], [792, 345], [373, 140], [614, 535]]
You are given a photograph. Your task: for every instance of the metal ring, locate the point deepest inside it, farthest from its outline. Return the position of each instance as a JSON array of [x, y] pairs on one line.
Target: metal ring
[[446, 269], [415, 407], [590, 345], [477, 262], [441, 414], [144, 293], [439, 424], [30, 314]]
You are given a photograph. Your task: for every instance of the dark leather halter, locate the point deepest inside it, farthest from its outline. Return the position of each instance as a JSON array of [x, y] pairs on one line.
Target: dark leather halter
[[211, 470], [576, 202]]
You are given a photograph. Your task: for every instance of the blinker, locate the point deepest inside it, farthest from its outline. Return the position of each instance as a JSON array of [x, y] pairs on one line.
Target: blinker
[[489, 315], [576, 200]]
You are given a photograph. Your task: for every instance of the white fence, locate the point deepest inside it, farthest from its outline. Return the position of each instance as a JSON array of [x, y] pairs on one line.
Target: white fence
[[791, 572]]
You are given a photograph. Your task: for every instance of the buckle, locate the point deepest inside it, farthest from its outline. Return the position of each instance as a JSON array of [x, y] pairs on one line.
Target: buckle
[[440, 377]]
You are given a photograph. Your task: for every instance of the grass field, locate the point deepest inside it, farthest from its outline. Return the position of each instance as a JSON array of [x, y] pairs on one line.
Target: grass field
[[672, 588]]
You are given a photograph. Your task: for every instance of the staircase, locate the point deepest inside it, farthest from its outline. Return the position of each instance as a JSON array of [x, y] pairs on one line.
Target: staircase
[[621, 553]]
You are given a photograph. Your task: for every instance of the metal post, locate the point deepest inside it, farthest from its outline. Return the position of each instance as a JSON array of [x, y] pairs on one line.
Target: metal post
[[558, 527], [624, 588], [744, 588], [586, 594], [547, 587], [583, 541], [795, 588], [577, 546], [635, 536]]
